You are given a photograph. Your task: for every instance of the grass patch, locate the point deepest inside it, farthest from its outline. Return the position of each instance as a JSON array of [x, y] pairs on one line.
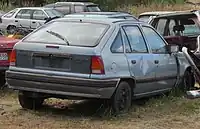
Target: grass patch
[[154, 112]]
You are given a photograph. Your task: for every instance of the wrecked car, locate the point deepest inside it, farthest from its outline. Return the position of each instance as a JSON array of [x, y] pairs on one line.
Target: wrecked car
[[116, 60], [148, 16], [180, 28]]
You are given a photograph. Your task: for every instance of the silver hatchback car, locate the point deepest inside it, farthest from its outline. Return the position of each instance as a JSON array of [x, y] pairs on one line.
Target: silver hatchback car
[[106, 58]]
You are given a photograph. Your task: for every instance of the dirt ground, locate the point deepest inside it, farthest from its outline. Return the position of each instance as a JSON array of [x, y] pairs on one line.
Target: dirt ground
[[153, 113]]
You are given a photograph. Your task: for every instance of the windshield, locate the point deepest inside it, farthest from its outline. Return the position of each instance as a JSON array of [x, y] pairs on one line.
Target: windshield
[[76, 33], [93, 8], [53, 13]]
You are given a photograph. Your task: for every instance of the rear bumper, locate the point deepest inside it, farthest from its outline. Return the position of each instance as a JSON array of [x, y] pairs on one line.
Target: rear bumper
[[3, 68], [56, 85]]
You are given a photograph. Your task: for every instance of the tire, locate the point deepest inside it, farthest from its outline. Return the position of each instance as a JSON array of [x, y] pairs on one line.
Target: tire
[[29, 102], [2, 80], [188, 81], [121, 99], [11, 29]]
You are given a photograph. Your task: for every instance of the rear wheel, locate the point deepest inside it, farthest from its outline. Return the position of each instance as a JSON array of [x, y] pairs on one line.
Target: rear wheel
[[121, 100], [28, 102], [11, 29]]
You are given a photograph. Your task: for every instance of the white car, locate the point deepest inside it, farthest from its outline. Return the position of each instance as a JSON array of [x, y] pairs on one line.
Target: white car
[[148, 16], [29, 17]]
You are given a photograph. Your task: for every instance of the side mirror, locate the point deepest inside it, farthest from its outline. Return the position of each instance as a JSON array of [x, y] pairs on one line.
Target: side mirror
[[172, 48]]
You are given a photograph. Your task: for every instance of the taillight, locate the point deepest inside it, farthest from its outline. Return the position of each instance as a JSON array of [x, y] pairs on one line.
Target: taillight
[[97, 66], [13, 58]]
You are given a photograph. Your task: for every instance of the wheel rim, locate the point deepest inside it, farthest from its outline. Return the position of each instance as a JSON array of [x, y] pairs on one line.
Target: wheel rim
[[123, 99], [11, 29]]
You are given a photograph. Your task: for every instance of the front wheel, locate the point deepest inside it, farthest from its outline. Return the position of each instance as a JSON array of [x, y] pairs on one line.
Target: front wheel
[[188, 81], [121, 100], [29, 102]]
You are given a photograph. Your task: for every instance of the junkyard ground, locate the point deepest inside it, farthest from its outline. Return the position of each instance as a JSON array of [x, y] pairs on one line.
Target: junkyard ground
[[153, 113]]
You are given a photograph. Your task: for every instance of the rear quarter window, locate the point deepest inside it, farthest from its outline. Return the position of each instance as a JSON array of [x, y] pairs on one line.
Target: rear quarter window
[[76, 33]]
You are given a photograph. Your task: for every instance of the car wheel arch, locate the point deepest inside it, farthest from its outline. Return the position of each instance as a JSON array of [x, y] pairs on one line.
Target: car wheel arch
[[10, 26], [189, 68], [130, 80]]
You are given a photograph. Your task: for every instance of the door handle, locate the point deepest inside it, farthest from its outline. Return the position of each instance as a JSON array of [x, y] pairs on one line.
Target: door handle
[[133, 61], [33, 22], [156, 61], [16, 20]]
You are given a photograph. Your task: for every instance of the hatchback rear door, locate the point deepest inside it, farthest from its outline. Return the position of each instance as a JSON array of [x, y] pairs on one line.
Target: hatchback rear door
[[61, 47]]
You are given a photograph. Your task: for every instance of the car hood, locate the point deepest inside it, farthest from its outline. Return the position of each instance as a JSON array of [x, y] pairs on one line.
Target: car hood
[[6, 42]]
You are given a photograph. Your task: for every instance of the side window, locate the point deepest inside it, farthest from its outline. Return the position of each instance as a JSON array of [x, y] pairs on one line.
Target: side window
[[161, 26], [135, 39], [24, 14], [172, 23], [79, 8], [117, 46], [39, 15], [154, 40]]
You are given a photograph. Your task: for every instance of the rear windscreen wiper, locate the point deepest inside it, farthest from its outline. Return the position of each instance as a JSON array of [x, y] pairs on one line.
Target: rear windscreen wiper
[[58, 36]]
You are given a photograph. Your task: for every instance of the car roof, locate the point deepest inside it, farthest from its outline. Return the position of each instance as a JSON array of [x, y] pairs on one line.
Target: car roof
[[100, 20], [83, 3], [156, 13], [73, 3], [108, 14], [178, 14], [101, 14], [34, 8]]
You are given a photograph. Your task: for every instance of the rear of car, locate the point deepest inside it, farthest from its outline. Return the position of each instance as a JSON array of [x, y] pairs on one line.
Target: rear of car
[[60, 58], [7, 19], [6, 45]]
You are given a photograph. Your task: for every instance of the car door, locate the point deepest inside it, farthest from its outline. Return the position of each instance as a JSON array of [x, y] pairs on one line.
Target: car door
[[23, 18], [166, 72], [141, 65], [38, 18]]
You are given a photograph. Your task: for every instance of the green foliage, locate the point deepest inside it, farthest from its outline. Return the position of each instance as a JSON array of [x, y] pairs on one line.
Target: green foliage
[[104, 4]]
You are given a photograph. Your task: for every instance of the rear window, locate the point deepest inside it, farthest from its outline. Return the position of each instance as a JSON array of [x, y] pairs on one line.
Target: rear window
[[144, 18], [76, 33], [190, 27], [93, 8], [53, 13]]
